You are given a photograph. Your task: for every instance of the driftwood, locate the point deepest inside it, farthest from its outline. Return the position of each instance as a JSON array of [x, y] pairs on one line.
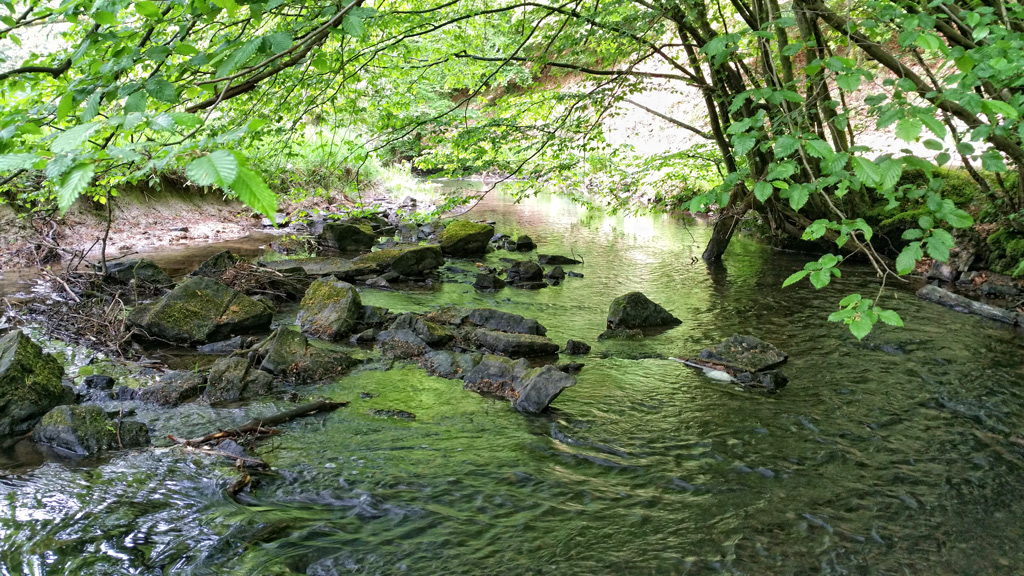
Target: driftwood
[[256, 428]]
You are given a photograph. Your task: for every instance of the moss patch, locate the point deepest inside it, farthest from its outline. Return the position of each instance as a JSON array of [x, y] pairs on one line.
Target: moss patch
[[463, 238], [30, 382], [1007, 251]]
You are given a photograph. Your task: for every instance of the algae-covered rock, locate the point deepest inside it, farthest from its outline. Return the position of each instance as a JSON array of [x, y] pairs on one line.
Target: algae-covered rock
[[409, 261], [174, 388], [232, 380], [330, 309], [348, 236], [496, 375], [634, 310], [401, 344], [30, 383], [462, 238], [86, 430], [289, 354], [434, 335], [451, 365], [515, 345], [539, 387], [140, 270], [200, 310]]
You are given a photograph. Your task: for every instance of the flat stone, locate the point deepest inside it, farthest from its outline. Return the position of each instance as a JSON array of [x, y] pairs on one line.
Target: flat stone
[[515, 345], [745, 353]]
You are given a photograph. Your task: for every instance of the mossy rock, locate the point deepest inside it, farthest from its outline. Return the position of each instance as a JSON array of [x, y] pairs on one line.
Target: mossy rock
[[515, 345], [141, 270], [330, 309], [200, 310], [463, 239], [1007, 251], [86, 430], [30, 383], [233, 380], [634, 310], [348, 236], [411, 261]]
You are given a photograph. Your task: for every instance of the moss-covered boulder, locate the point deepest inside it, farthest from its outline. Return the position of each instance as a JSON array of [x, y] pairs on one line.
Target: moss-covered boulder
[[330, 309], [634, 310], [410, 261], [434, 335], [464, 239], [30, 383], [496, 375], [233, 380], [86, 430], [348, 236], [539, 387], [200, 310]]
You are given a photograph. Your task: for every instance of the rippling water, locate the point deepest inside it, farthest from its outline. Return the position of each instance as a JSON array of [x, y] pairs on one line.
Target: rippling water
[[892, 455]]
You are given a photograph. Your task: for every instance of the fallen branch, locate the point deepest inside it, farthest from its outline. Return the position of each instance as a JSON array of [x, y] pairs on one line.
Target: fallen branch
[[257, 424]]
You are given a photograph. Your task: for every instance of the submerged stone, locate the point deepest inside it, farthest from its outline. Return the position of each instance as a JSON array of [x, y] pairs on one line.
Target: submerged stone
[[462, 238], [200, 310], [30, 383], [515, 345], [539, 387], [744, 353], [140, 270], [634, 310], [86, 430], [330, 309]]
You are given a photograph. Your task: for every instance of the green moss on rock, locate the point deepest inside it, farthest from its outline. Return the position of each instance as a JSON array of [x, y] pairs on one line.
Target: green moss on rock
[[1007, 254], [330, 309], [30, 383], [86, 430], [463, 239]]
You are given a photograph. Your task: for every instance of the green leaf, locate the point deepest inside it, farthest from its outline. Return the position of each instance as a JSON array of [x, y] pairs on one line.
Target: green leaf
[[818, 148], [860, 327], [279, 42], [913, 234], [908, 129], [821, 278], [786, 145], [933, 144], [73, 184], [353, 26], [64, 106], [147, 9], [992, 161], [1000, 107], [14, 162], [848, 82], [252, 190], [959, 219], [105, 18], [219, 168], [743, 143], [158, 53], [890, 317], [795, 277], [228, 5], [850, 300], [866, 170], [798, 195], [72, 138], [763, 190], [908, 258], [816, 230], [162, 90], [939, 244], [186, 120], [136, 102]]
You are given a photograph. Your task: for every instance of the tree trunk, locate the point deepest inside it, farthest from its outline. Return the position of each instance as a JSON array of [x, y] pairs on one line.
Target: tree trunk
[[726, 225]]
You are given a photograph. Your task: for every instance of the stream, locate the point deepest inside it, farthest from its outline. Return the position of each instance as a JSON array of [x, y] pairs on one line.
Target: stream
[[887, 456]]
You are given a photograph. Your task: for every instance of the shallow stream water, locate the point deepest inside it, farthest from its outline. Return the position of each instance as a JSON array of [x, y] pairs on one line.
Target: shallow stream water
[[896, 455]]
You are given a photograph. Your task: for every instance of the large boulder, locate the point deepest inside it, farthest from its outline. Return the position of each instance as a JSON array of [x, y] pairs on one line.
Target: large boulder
[[30, 383], [348, 236], [634, 310], [330, 309], [86, 430], [141, 270], [409, 261], [515, 345], [539, 387], [233, 380], [464, 239], [200, 310], [744, 353], [175, 388], [504, 321]]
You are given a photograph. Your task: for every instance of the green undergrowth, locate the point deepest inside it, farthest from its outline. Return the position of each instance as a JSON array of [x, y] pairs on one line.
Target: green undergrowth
[[1007, 252], [956, 185]]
